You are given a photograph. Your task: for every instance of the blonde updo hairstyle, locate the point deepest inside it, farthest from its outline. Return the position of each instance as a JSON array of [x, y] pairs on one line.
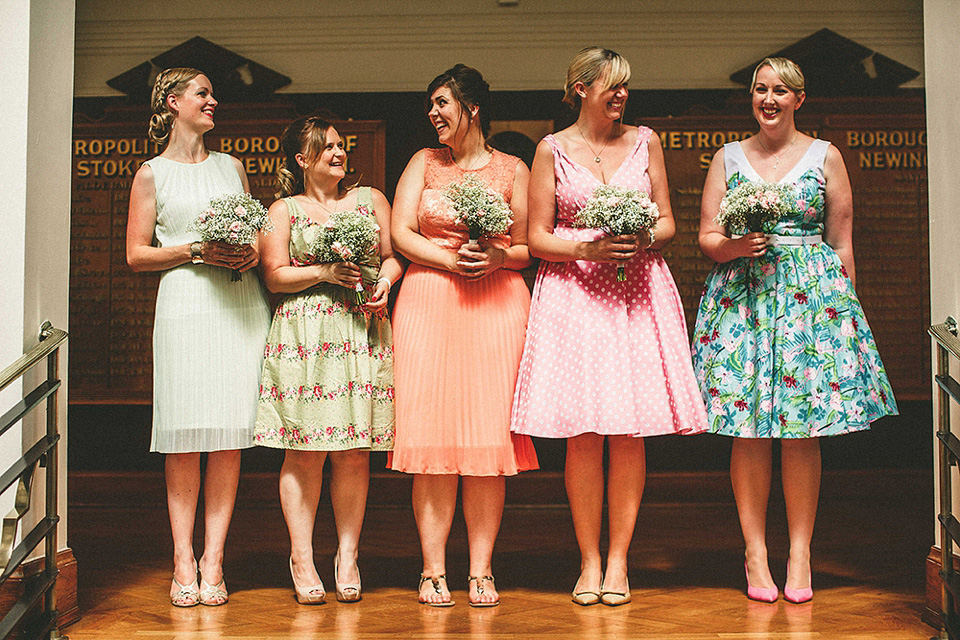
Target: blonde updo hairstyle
[[306, 136], [169, 82], [590, 65], [790, 74]]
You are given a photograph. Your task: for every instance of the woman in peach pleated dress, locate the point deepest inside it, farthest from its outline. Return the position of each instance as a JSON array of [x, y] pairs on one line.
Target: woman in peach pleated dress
[[459, 326]]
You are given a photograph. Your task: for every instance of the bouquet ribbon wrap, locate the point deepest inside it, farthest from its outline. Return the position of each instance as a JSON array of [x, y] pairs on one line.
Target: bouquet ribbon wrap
[[368, 275]]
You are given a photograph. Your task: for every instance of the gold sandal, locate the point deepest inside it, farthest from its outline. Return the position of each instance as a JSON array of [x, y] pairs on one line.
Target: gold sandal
[[480, 580], [435, 580]]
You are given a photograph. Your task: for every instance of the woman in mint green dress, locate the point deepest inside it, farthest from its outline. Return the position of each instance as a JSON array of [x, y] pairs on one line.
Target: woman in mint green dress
[[781, 346], [327, 383]]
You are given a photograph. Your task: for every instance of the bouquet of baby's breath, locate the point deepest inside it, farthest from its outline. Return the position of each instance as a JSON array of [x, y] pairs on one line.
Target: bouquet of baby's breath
[[234, 218], [755, 206], [479, 208], [348, 236], [618, 211]]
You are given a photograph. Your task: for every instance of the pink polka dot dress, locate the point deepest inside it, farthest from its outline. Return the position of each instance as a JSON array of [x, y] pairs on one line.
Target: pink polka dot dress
[[602, 356]]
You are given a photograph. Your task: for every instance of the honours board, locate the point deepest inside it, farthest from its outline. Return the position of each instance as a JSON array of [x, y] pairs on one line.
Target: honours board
[[111, 319], [886, 159]]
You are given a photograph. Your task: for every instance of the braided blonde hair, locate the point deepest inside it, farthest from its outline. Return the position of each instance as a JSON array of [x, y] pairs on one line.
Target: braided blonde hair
[[169, 82]]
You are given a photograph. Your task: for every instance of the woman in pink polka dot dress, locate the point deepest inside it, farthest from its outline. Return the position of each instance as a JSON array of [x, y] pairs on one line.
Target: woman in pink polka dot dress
[[602, 359]]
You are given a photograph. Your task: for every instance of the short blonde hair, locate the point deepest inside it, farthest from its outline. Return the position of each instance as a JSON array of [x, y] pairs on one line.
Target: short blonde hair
[[790, 74], [169, 82], [590, 65]]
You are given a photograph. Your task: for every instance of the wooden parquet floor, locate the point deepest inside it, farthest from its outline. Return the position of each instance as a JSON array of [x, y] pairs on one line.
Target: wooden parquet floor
[[686, 577]]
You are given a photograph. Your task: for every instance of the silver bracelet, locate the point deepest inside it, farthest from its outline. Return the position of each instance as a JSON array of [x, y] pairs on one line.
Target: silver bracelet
[[653, 237], [387, 280]]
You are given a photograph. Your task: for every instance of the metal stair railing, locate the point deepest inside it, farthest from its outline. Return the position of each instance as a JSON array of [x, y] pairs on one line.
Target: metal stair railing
[[43, 453]]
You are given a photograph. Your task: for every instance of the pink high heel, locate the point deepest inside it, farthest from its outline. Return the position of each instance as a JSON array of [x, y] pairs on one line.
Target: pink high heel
[[798, 596], [760, 594]]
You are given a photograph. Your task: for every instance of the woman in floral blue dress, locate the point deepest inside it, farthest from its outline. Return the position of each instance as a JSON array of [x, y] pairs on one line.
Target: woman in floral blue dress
[[781, 346]]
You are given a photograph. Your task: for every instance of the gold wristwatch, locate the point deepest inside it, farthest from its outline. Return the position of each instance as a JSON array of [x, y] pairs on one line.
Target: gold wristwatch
[[196, 252]]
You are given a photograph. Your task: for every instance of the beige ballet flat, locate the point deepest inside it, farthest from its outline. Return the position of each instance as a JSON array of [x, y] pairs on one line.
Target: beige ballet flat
[[615, 598], [585, 598]]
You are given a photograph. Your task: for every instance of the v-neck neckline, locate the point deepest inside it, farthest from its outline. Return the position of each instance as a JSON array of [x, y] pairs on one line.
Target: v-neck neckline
[[789, 172], [302, 214], [613, 175]]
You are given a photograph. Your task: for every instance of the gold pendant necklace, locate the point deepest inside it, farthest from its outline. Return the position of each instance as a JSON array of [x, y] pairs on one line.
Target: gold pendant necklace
[[321, 205], [596, 155]]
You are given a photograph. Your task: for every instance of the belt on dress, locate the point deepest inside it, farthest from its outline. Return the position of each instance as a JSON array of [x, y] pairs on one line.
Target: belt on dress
[[796, 241]]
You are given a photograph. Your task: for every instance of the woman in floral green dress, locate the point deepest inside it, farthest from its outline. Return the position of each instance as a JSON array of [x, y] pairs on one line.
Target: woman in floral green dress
[[781, 346], [327, 384]]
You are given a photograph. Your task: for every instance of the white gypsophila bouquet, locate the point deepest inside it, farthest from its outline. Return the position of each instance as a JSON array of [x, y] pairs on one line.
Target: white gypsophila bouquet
[[618, 211], [347, 236], [234, 218], [755, 206], [479, 208]]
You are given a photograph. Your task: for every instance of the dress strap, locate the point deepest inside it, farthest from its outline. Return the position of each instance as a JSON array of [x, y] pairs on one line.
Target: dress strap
[[293, 207], [818, 152], [434, 161], [554, 145], [365, 198], [643, 136], [733, 159]]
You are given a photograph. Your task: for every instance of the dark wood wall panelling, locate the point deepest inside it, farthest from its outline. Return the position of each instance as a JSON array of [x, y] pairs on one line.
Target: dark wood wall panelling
[[110, 423]]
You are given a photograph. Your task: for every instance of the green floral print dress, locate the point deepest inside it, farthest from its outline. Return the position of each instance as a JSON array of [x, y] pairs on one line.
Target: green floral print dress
[[327, 382]]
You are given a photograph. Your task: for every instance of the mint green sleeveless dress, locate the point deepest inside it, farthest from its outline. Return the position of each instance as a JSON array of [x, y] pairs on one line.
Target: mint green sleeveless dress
[[327, 381]]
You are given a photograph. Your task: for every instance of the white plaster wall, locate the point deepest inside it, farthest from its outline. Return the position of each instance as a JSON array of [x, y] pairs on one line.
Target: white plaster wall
[[941, 24], [14, 30], [36, 94], [49, 164], [399, 45]]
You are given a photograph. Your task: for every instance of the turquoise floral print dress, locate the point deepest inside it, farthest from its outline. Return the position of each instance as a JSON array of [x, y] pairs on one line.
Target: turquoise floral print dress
[[327, 382], [781, 346]]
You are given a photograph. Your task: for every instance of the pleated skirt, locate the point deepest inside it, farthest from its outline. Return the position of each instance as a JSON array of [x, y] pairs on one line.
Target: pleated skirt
[[208, 340], [457, 349]]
